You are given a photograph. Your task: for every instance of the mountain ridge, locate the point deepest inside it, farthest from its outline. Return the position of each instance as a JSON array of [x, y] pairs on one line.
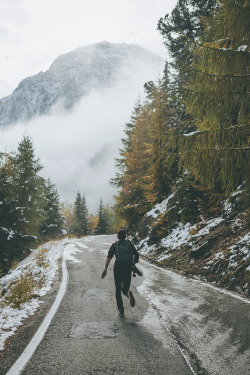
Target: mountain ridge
[[71, 76]]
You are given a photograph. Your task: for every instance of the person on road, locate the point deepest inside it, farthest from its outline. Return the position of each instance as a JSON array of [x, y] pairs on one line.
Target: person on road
[[126, 257]]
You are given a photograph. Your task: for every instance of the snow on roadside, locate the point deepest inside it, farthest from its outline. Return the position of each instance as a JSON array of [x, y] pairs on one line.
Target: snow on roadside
[[179, 236], [43, 273]]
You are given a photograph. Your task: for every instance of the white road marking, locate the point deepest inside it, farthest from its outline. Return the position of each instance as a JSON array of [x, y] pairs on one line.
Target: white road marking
[[37, 338]]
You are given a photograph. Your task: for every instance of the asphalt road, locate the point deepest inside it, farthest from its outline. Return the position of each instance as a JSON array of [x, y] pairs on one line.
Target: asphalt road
[[86, 335]]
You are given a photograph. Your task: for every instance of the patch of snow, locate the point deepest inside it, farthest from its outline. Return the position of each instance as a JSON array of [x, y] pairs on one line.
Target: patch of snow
[[242, 48], [237, 192], [163, 256], [159, 208], [189, 134], [217, 256], [228, 207], [11, 318], [241, 247], [179, 236], [70, 251], [209, 225]]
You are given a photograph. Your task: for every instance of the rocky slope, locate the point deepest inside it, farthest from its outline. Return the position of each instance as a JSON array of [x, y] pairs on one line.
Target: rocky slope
[[214, 249], [73, 75]]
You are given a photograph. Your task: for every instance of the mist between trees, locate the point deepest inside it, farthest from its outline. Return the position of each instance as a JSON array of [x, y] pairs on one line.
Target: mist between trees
[[31, 212]]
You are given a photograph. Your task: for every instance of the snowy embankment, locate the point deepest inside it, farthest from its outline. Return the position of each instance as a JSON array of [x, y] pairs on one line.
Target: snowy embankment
[[214, 249], [23, 287]]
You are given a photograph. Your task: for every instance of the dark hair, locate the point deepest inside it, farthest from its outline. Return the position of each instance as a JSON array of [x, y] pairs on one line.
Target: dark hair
[[121, 234]]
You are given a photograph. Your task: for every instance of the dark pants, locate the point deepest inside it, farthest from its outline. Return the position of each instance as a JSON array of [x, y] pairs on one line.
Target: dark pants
[[122, 278]]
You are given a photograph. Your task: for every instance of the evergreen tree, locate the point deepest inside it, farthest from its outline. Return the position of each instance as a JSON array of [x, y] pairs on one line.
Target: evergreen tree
[[158, 178], [29, 188], [8, 214], [27, 204], [179, 29], [81, 219], [77, 226], [131, 202], [127, 144], [84, 216], [53, 224], [217, 99], [102, 225]]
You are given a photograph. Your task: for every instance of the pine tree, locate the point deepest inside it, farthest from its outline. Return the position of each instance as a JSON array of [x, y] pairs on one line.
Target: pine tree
[[217, 99], [81, 217], [127, 145], [29, 189], [102, 225], [27, 204], [179, 29], [84, 216], [131, 202], [8, 214], [53, 224], [158, 178], [77, 225]]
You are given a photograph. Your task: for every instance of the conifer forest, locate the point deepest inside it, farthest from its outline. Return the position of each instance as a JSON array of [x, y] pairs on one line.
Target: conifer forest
[[187, 142]]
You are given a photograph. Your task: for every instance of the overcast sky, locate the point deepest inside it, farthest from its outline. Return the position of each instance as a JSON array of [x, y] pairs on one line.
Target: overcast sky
[[32, 34]]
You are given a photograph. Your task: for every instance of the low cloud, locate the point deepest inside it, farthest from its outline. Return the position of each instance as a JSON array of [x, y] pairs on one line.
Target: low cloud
[[78, 148]]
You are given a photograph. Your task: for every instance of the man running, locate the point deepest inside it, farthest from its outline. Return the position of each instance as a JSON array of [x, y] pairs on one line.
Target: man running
[[126, 257]]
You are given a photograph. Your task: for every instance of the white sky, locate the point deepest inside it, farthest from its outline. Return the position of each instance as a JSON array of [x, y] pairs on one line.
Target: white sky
[[32, 34]]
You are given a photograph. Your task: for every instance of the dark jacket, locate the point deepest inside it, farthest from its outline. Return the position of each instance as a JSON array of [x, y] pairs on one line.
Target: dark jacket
[[112, 252]]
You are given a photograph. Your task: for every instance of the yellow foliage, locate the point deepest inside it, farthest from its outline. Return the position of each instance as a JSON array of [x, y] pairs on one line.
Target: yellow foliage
[[40, 258], [20, 291]]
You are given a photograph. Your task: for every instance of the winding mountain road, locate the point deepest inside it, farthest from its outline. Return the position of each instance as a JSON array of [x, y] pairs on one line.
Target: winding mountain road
[[178, 326]]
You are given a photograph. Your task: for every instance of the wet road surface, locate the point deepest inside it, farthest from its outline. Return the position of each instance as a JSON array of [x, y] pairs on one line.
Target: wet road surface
[[174, 317], [86, 335]]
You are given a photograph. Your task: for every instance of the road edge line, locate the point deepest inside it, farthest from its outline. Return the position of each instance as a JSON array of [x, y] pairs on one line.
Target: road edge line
[[28, 352]]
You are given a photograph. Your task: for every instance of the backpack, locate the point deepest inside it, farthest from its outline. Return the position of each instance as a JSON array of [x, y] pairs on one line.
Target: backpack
[[124, 253]]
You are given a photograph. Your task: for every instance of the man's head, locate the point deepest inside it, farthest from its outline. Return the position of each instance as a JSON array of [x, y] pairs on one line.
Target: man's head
[[121, 234]]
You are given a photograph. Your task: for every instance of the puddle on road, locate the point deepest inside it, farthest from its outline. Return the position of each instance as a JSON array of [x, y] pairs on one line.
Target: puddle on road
[[94, 330], [97, 294]]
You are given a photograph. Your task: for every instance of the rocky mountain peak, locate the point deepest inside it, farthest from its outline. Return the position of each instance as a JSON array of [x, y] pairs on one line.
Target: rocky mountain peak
[[72, 76]]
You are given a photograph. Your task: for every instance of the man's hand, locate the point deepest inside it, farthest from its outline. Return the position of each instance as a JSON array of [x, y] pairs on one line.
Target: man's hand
[[104, 273]]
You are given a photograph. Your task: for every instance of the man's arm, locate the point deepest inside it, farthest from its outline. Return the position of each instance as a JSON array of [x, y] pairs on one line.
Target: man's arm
[[135, 253], [111, 253], [106, 267]]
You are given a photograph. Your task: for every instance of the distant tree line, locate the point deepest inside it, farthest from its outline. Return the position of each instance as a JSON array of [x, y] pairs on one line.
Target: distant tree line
[[189, 137], [78, 221]]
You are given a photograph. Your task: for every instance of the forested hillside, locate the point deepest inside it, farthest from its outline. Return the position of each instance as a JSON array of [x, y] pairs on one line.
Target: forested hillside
[[183, 169]]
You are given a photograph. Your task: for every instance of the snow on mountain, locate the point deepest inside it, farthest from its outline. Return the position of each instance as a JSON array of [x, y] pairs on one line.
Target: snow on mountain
[[72, 76]]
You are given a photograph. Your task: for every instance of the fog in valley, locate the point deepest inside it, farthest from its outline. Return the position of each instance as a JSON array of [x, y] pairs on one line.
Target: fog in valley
[[78, 148]]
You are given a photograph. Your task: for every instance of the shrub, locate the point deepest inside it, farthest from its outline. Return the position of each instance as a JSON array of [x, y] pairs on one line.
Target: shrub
[[40, 258], [20, 291]]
